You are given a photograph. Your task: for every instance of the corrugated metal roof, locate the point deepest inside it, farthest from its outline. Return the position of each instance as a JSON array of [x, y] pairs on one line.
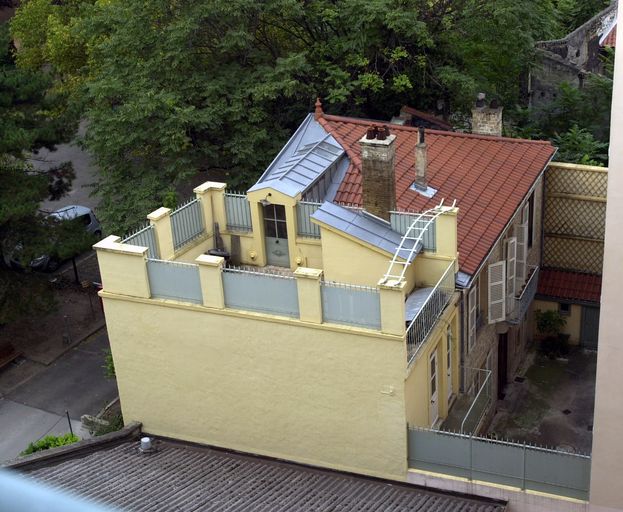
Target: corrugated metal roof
[[365, 227], [182, 477], [302, 161]]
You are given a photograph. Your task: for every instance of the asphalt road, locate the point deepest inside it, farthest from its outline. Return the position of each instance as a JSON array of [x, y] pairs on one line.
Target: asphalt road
[[75, 382], [86, 173]]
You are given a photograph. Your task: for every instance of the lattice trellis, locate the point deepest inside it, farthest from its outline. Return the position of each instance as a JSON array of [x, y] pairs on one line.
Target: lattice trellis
[[578, 181], [573, 254], [575, 217]]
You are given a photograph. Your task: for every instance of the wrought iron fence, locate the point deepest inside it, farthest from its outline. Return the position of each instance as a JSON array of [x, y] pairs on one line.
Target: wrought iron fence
[[238, 212], [478, 381], [426, 318], [304, 226], [144, 237], [174, 280], [400, 221], [501, 462], [265, 292], [187, 223], [351, 305]]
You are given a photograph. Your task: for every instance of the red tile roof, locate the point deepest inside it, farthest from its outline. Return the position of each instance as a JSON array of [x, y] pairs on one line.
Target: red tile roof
[[488, 176], [610, 40], [564, 284]]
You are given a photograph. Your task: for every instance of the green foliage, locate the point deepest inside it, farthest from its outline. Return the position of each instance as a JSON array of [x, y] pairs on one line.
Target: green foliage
[[30, 117], [115, 423], [574, 13], [550, 322], [109, 365], [578, 145], [50, 442]]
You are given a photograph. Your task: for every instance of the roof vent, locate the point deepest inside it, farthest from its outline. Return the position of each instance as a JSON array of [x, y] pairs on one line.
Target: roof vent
[[146, 445]]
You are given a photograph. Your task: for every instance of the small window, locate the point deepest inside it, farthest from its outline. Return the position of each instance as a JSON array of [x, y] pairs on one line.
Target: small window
[[564, 308]]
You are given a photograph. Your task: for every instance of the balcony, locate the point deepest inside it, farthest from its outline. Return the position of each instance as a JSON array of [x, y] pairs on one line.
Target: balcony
[[521, 303]]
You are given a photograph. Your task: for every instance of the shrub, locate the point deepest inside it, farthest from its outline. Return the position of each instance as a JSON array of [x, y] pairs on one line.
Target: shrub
[[109, 365], [50, 442], [549, 323]]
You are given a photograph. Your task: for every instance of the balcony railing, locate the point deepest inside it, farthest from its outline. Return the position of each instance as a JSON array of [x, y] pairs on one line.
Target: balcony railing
[[525, 296], [479, 381], [426, 318]]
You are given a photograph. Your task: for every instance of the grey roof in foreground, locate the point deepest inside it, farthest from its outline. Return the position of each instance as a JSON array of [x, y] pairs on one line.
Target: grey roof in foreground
[[365, 227], [186, 477], [302, 161]]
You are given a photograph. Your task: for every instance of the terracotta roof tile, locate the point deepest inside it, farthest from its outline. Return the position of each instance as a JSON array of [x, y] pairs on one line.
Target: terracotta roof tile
[[564, 284], [611, 38], [488, 176]]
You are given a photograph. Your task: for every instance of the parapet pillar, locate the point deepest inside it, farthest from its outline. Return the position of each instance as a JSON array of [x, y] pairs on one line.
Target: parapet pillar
[[393, 307], [123, 268], [308, 286], [161, 220], [211, 277]]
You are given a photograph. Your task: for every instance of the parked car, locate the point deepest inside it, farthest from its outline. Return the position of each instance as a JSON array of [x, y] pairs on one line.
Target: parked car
[[81, 214]]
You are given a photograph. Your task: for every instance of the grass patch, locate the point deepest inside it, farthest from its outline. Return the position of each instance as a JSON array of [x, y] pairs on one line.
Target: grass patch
[[50, 442]]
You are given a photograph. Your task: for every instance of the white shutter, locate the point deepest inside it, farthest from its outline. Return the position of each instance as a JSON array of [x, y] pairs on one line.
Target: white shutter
[[522, 256], [497, 292], [511, 264], [473, 312], [525, 213]]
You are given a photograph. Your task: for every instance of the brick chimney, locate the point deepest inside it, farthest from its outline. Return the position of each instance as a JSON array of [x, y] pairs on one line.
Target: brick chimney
[[486, 120], [421, 160], [378, 153]]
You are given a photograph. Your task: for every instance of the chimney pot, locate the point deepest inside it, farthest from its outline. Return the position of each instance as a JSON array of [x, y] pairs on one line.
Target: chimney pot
[[371, 133], [494, 104], [421, 135], [480, 100]]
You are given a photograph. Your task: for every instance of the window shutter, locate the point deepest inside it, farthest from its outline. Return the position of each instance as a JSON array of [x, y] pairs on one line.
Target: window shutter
[[511, 271], [525, 213], [497, 292], [473, 312], [522, 256]]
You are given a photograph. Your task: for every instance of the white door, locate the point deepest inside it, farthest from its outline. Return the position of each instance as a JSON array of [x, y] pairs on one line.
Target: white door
[[449, 362], [434, 390]]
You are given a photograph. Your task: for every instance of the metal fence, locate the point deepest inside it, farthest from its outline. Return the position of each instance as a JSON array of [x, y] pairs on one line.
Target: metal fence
[[173, 280], [187, 223], [144, 237], [238, 212], [304, 226], [525, 296], [401, 221], [478, 381], [260, 291], [351, 305], [500, 462], [423, 323]]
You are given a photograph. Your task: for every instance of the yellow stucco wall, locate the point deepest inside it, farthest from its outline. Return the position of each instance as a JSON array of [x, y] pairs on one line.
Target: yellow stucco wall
[[325, 396], [574, 320]]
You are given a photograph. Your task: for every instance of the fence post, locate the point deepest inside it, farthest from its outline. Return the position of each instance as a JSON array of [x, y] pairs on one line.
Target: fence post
[[471, 457], [123, 267], [209, 194], [523, 482], [211, 278], [160, 219], [310, 301], [392, 296]]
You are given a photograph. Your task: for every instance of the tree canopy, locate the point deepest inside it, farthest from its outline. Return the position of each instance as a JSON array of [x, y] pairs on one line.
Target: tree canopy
[[173, 87]]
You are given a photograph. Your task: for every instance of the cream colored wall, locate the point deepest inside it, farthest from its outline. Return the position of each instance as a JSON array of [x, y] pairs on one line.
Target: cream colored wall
[[417, 383], [347, 261], [574, 320], [607, 464], [270, 386]]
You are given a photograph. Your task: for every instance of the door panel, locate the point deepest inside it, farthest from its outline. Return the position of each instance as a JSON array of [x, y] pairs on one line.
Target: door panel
[[589, 334], [434, 389], [276, 235]]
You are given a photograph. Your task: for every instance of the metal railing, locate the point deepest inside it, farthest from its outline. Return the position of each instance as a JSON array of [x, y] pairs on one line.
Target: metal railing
[[174, 280], [304, 226], [480, 388], [400, 222], [187, 223], [526, 295], [238, 212], [144, 237], [426, 318], [519, 465], [350, 304], [264, 292]]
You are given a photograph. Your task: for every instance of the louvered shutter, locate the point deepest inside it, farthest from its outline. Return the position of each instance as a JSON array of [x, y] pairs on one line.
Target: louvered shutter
[[511, 264], [497, 292], [473, 312], [522, 255]]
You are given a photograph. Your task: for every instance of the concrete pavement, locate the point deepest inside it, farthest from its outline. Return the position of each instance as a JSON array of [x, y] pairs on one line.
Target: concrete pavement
[[75, 382]]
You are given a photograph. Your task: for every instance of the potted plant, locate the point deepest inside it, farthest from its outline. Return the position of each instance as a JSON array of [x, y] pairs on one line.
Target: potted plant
[[549, 325]]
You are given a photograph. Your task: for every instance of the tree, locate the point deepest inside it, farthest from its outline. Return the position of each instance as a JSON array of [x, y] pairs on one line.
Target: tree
[[578, 145], [30, 118], [171, 88]]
